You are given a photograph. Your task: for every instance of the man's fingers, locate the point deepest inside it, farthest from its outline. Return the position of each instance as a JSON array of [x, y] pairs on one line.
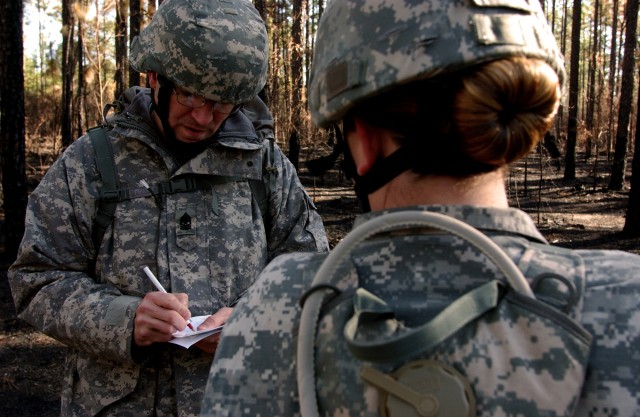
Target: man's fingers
[[177, 302], [217, 319], [158, 316], [183, 305]]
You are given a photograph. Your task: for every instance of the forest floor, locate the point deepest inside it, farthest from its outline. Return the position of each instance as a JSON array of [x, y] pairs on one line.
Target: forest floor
[[580, 213]]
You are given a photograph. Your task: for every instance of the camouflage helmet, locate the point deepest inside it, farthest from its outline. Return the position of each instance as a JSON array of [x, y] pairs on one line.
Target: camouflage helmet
[[214, 48], [366, 47]]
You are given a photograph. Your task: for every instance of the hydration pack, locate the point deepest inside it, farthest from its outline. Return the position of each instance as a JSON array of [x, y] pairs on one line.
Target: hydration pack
[[509, 347]]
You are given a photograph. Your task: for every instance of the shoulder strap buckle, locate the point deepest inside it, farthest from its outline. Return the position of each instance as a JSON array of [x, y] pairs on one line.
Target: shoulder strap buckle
[[181, 185], [110, 196]]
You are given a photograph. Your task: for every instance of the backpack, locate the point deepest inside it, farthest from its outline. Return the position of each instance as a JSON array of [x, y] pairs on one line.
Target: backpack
[[503, 348], [111, 193]]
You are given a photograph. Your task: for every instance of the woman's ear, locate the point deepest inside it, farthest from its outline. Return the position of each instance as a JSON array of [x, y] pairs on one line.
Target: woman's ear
[[152, 76], [366, 146]]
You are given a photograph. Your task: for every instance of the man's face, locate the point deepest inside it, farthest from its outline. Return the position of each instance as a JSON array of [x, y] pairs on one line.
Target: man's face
[[190, 124], [193, 124]]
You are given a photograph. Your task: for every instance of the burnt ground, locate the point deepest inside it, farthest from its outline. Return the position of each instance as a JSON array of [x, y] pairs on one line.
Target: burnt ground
[[576, 214]]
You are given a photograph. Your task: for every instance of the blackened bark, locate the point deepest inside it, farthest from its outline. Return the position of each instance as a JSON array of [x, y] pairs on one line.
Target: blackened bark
[[12, 130]]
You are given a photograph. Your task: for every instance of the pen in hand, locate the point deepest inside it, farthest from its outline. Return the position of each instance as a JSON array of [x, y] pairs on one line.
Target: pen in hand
[[160, 288]]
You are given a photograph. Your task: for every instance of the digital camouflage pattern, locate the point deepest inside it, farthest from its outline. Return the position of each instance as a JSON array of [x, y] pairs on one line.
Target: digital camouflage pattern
[[210, 243], [417, 274], [218, 49], [394, 42]]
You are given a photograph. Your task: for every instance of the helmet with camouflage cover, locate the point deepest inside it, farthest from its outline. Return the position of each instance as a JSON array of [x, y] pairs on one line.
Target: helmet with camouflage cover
[[214, 48], [367, 47]]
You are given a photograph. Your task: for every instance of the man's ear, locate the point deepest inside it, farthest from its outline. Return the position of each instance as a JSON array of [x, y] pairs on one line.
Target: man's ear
[[366, 149], [152, 77]]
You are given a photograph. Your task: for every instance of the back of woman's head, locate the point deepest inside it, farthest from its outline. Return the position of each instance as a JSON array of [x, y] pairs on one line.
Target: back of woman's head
[[469, 122]]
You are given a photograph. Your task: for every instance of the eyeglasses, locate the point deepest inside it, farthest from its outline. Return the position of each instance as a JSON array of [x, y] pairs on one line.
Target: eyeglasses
[[196, 102]]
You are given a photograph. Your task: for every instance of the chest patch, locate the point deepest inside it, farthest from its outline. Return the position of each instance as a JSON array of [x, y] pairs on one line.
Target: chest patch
[[186, 220]]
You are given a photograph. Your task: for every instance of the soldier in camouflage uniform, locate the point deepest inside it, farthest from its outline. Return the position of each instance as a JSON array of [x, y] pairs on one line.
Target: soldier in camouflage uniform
[[204, 60], [436, 97]]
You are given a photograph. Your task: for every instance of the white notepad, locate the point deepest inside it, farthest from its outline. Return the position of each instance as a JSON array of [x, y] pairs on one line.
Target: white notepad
[[188, 337]]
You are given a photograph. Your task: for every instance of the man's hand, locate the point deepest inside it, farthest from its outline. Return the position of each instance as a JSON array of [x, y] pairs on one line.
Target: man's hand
[[158, 316], [209, 344]]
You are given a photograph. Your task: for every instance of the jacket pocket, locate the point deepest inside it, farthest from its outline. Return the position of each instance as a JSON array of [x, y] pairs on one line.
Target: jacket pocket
[[94, 383]]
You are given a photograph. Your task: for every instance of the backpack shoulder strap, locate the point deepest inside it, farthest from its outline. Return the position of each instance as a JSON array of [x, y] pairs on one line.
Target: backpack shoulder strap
[[261, 188], [109, 196]]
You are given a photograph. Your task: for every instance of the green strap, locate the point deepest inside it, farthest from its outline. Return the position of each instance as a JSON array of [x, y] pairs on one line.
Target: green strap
[[271, 168], [109, 193], [464, 310], [261, 189]]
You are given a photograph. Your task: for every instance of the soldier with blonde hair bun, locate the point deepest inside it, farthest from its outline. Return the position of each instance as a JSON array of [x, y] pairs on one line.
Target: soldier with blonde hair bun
[[443, 300]]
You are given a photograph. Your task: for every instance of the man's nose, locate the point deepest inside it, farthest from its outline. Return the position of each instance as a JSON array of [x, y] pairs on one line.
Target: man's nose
[[203, 115]]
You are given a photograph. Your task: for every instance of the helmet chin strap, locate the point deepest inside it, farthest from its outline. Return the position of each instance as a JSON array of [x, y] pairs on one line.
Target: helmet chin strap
[[383, 171], [379, 175]]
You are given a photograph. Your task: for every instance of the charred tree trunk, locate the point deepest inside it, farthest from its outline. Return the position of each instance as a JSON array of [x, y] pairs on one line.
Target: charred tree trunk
[[591, 83], [572, 128], [68, 65], [612, 76], [135, 22], [619, 164], [12, 130], [79, 103], [121, 48], [261, 8], [632, 221], [296, 76]]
